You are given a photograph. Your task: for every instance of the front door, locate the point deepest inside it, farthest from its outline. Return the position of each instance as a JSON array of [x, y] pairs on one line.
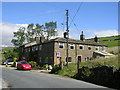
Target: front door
[[58, 61]]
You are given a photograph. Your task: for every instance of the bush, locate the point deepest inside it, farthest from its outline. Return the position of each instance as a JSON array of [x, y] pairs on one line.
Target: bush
[[34, 65], [55, 69]]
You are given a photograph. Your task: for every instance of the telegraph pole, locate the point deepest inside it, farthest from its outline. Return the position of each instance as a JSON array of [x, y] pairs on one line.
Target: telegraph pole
[[67, 32]]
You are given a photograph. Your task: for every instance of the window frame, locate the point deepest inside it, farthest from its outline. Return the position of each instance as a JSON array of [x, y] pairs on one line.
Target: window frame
[[103, 48], [89, 47], [61, 44], [40, 47], [68, 59], [72, 45], [81, 46], [97, 47]]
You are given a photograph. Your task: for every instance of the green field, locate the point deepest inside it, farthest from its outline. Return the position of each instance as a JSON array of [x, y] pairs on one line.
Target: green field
[[5, 49], [111, 41]]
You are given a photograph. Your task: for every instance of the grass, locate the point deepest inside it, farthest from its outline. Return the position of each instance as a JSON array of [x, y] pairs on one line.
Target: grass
[[72, 68], [6, 49], [109, 41]]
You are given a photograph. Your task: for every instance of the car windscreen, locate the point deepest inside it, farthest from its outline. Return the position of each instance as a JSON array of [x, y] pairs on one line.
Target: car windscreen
[[24, 63], [10, 60]]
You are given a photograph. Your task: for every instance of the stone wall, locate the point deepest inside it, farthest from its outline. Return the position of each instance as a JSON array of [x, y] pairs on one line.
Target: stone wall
[[102, 75]]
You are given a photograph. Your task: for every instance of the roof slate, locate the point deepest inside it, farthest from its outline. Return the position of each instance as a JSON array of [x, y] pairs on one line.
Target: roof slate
[[63, 40]]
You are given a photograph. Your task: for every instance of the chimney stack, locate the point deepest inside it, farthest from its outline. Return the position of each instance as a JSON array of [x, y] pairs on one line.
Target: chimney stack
[[42, 39], [37, 39], [82, 37], [96, 39]]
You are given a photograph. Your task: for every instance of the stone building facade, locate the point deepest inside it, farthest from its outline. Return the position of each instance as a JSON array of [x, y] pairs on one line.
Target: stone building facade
[[54, 51]]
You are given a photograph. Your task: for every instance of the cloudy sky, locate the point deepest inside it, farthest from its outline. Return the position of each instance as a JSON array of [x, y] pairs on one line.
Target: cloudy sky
[[93, 18]]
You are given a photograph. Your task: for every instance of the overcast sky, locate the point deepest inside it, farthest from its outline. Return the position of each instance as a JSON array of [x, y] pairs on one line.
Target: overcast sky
[[94, 18]]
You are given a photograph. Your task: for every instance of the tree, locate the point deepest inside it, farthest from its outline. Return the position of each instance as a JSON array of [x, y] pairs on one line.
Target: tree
[[32, 31], [20, 37], [50, 29]]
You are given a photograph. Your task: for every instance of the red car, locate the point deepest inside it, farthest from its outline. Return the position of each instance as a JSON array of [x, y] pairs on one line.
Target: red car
[[23, 65]]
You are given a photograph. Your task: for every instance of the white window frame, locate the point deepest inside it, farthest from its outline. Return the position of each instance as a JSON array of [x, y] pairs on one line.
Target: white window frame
[[61, 44], [90, 49], [40, 47], [68, 61], [36, 48], [97, 48], [33, 49], [103, 48], [72, 45], [82, 46]]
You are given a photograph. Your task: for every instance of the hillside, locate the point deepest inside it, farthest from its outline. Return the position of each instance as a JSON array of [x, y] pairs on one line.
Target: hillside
[[111, 41], [72, 68], [4, 49]]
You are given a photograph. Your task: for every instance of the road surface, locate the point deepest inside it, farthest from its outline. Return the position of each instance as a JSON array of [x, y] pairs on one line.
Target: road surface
[[30, 79]]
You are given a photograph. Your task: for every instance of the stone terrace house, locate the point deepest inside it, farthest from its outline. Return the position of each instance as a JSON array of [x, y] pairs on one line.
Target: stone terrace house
[[51, 52]]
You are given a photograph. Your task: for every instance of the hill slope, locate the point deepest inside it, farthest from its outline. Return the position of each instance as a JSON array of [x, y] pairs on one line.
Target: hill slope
[[111, 41]]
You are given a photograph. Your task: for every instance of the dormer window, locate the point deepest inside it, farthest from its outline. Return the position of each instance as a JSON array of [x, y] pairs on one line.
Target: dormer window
[[61, 45]]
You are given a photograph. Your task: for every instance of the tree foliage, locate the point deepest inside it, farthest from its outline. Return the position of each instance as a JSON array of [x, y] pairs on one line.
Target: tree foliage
[[20, 37], [32, 31], [50, 29]]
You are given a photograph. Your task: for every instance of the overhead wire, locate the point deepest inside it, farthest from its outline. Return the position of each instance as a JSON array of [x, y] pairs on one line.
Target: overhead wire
[[76, 13], [75, 25]]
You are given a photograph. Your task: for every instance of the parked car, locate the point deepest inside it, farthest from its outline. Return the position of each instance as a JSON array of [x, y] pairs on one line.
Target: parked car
[[23, 65], [9, 61]]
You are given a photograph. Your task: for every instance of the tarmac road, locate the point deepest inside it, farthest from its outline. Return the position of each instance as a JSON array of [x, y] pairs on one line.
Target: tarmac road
[[30, 79]]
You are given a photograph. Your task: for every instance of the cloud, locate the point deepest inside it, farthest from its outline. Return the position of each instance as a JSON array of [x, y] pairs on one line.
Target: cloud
[[7, 32], [8, 29], [105, 33]]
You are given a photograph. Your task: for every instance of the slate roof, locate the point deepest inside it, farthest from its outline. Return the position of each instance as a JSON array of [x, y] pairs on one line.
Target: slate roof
[[74, 41], [77, 41]]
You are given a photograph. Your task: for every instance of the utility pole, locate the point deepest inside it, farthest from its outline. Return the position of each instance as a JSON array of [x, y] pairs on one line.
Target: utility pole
[[67, 37]]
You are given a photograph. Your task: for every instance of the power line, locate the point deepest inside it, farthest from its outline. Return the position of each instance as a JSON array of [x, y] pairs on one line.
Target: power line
[[76, 13], [75, 25]]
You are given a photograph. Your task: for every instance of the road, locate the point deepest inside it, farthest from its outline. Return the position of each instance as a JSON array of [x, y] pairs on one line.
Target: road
[[30, 79]]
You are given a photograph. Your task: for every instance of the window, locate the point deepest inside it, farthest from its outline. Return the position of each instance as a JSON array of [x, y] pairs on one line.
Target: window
[[81, 47], [97, 48], [26, 50], [33, 49], [36, 48], [72, 46], [24, 62], [103, 48], [69, 59], [89, 47], [40, 47], [29, 49], [61, 45]]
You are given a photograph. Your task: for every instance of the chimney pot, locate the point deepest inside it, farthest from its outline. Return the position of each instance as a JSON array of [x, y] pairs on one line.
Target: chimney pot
[[82, 37]]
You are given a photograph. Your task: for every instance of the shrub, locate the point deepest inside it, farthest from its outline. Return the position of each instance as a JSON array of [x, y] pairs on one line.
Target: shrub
[[34, 64], [55, 69]]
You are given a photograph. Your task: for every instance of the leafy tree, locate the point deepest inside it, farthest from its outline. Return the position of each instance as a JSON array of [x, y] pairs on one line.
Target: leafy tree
[[32, 31], [50, 29], [20, 37]]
